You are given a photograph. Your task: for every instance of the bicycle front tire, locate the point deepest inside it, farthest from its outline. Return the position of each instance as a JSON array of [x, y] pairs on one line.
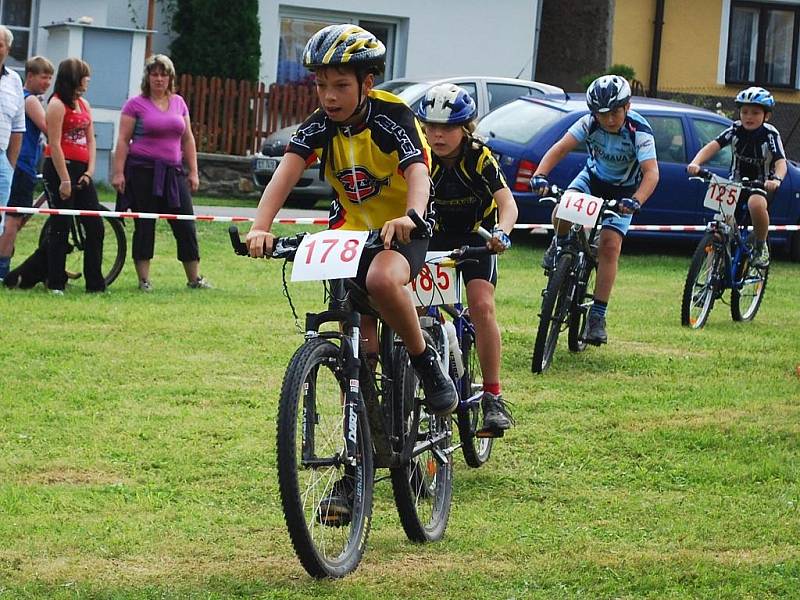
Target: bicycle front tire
[[699, 291], [476, 450], [423, 488], [310, 439], [553, 317]]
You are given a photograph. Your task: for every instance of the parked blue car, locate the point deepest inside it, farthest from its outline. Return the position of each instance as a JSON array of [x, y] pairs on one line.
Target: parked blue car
[[520, 132]]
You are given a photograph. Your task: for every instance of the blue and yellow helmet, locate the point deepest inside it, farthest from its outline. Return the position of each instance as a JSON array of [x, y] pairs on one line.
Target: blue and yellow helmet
[[345, 44]]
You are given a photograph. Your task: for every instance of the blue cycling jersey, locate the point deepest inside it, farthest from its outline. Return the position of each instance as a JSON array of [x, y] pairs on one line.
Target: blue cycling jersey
[[615, 157]]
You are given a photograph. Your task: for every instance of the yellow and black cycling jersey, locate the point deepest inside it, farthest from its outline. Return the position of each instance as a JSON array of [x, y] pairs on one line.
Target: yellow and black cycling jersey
[[365, 163], [463, 195]]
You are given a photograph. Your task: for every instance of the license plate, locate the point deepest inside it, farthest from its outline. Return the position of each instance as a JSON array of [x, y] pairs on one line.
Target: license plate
[[266, 164]]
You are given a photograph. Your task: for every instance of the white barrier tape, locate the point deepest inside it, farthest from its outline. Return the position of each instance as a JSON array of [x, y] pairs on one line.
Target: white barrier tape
[[143, 215], [543, 228], [534, 227]]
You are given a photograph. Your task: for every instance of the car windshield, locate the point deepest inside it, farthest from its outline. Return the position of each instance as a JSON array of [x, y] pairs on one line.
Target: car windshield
[[518, 121]]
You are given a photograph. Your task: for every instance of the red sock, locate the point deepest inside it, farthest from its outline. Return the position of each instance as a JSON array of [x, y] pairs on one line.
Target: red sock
[[492, 388]]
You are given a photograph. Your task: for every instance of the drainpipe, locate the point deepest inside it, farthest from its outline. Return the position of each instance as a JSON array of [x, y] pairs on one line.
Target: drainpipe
[[151, 10], [655, 56]]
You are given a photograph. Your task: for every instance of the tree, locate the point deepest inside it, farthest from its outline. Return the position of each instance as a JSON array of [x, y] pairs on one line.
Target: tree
[[217, 38]]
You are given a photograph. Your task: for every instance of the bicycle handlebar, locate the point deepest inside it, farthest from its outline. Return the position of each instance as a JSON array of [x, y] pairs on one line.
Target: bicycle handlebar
[[746, 184], [286, 247], [606, 211]]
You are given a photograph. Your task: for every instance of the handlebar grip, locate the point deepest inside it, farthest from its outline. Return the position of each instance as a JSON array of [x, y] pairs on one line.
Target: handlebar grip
[[474, 252], [239, 247], [421, 230]]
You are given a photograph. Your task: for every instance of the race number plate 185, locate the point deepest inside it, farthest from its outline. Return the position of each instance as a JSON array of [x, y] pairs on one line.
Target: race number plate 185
[[722, 195], [435, 285], [329, 254], [577, 207]]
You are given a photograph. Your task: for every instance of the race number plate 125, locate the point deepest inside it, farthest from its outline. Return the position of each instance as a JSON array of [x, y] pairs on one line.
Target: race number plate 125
[[330, 254], [435, 285], [577, 207], [722, 195]]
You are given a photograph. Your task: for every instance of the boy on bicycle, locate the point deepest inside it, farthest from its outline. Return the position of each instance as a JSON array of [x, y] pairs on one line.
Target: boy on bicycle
[[468, 192], [621, 165], [373, 153], [757, 155]]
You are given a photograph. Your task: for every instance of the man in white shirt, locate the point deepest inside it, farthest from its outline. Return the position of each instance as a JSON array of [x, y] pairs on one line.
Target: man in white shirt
[[12, 118]]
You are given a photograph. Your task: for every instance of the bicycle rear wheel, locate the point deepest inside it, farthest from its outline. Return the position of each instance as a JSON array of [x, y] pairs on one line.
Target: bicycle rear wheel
[[746, 300], [114, 248], [579, 311], [470, 419], [311, 464], [554, 315], [423, 488]]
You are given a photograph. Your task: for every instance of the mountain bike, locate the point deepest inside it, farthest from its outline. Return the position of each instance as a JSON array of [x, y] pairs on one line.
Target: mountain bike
[[476, 442], [722, 258], [343, 414], [569, 293], [114, 244]]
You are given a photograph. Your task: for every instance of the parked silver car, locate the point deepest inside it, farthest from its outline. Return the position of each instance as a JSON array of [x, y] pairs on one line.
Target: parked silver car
[[488, 93]]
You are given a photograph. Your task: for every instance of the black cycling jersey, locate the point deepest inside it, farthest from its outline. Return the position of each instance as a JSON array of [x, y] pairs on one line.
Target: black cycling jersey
[[754, 152], [463, 195]]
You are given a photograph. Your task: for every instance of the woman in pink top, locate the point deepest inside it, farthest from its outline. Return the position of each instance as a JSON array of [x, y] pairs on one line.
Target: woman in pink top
[[67, 171], [155, 139]]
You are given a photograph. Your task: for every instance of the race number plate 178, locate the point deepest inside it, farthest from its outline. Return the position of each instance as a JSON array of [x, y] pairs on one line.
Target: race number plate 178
[[435, 285], [722, 195], [329, 254], [577, 207]]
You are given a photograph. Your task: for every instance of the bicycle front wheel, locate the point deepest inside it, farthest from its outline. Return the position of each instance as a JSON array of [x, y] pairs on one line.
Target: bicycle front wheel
[[114, 248], [579, 311], [747, 295], [699, 291], [312, 469], [476, 450], [423, 488], [554, 315]]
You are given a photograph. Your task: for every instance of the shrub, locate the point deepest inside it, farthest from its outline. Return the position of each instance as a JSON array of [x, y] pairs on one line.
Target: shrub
[[625, 71]]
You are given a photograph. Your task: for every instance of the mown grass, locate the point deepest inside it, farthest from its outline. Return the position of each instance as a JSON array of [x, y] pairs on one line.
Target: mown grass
[[137, 447]]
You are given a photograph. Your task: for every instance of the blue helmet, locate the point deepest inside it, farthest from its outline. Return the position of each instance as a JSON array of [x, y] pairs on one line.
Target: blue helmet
[[607, 93], [447, 104], [756, 95]]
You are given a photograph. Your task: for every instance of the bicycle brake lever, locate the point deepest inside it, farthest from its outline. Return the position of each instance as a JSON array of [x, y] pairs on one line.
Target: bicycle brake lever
[[239, 247]]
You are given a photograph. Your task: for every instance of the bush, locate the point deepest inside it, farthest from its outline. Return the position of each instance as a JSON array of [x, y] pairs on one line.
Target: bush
[[219, 39], [625, 71]]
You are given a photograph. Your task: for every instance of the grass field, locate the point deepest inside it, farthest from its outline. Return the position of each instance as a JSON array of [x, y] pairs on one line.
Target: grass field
[[137, 446]]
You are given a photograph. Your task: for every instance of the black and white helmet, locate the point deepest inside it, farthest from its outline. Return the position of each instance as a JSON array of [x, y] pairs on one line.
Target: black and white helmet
[[607, 93]]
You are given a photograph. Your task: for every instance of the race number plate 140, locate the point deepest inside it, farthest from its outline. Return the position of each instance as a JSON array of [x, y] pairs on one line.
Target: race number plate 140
[[577, 207], [329, 254]]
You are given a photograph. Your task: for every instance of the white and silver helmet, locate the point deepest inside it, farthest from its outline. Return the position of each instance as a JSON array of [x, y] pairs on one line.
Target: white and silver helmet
[[607, 93]]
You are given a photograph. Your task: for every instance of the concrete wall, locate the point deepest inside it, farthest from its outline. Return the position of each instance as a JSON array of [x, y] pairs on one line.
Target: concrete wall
[[574, 40], [434, 38]]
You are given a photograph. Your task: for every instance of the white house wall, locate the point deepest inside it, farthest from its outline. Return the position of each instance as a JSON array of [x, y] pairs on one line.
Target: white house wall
[[435, 37]]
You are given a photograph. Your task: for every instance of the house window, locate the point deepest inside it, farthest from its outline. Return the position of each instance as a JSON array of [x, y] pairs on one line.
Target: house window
[[762, 44], [296, 31], [16, 15]]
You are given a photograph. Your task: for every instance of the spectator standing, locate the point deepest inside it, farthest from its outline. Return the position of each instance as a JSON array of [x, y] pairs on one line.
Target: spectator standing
[[68, 169], [38, 75], [12, 120], [155, 139]]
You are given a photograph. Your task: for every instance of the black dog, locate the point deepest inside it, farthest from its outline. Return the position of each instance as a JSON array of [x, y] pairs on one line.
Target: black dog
[[30, 272]]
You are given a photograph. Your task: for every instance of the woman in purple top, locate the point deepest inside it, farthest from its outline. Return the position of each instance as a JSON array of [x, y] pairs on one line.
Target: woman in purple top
[[155, 139]]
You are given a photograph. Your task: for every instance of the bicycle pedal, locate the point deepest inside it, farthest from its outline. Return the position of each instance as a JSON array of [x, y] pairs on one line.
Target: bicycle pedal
[[487, 432]]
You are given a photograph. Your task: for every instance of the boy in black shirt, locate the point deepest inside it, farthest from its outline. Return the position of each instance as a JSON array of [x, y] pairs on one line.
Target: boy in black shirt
[[757, 155]]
